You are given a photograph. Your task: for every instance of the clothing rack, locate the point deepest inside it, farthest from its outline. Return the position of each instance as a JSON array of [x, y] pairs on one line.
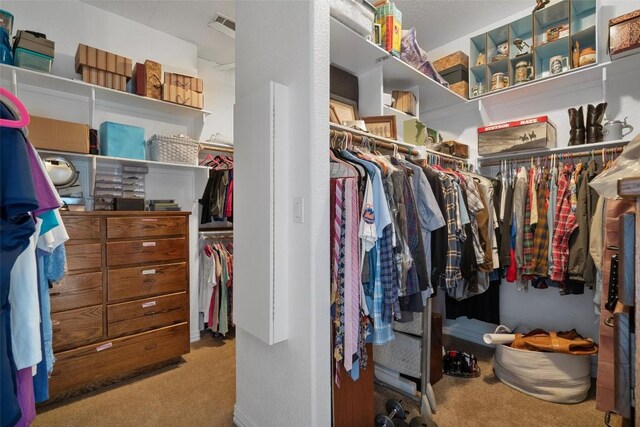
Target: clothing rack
[[213, 146], [218, 234], [564, 153], [361, 137]]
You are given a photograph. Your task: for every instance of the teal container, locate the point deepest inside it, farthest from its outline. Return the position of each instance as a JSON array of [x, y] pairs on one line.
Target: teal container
[[32, 60], [118, 140], [6, 21]]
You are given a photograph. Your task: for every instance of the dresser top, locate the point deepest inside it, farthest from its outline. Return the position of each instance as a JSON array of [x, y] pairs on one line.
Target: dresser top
[[126, 213]]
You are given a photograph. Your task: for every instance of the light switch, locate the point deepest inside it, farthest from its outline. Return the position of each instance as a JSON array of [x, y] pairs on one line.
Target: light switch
[[298, 210]]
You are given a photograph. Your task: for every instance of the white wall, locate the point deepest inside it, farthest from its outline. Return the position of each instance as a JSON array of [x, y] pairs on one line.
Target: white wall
[[290, 383], [70, 22], [219, 97], [540, 308]]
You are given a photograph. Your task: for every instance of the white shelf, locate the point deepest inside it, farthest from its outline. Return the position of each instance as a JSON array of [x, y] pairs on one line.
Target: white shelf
[[125, 100], [550, 151], [353, 53], [120, 160]]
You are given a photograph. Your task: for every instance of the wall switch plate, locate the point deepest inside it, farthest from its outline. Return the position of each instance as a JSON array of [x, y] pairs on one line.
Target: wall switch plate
[[298, 210]]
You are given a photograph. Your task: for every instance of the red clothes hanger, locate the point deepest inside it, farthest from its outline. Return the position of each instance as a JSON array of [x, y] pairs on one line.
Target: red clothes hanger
[[23, 119]]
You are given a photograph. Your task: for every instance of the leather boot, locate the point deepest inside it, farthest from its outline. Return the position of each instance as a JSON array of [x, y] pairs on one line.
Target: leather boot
[[594, 122], [576, 121]]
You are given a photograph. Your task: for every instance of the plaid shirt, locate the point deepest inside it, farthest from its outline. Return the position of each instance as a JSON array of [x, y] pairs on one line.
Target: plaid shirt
[[541, 235], [383, 301], [452, 274], [475, 205], [565, 223], [527, 252]]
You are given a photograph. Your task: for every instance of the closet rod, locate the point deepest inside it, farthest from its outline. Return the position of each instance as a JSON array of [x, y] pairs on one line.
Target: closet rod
[[216, 233], [216, 147], [524, 158], [376, 140]]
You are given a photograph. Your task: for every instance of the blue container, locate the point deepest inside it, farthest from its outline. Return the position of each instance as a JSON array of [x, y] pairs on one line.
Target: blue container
[[6, 56], [118, 140]]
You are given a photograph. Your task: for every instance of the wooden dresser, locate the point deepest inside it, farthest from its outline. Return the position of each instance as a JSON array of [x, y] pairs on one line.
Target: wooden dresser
[[123, 306]]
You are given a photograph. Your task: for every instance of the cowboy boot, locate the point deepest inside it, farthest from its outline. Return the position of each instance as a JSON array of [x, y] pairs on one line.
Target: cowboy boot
[[594, 122], [576, 121]]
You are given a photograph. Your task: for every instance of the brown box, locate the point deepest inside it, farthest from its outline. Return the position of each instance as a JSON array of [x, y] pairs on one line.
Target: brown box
[[101, 59], [87, 56], [460, 149], [521, 135], [102, 78], [109, 80], [58, 135], [624, 34], [148, 79], [111, 62], [405, 101], [461, 88], [456, 58], [183, 90]]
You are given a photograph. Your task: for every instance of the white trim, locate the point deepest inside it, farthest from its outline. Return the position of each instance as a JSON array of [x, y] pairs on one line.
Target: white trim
[[240, 419], [195, 336]]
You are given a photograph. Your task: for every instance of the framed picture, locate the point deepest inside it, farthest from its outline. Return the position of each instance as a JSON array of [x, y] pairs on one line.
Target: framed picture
[[333, 116], [384, 126], [344, 110]]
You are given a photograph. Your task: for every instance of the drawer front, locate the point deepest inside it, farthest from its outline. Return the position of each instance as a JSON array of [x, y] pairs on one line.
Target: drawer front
[[80, 228], [139, 251], [123, 228], [76, 327], [99, 363], [80, 257], [142, 315], [76, 291], [140, 282]]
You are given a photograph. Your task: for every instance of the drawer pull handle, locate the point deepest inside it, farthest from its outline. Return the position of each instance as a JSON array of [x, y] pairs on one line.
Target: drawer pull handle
[[104, 346], [55, 322], [148, 244], [148, 272], [56, 329], [148, 304], [54, 294], [149, 220], [151, 346]]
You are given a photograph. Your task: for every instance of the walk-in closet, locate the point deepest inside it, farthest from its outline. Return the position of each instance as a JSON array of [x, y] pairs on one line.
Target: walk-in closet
[[341, 213]]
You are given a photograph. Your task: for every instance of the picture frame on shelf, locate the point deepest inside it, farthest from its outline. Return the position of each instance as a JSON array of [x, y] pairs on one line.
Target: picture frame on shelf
[[356, 124], [345, 110], [384, 126], [333, 116]]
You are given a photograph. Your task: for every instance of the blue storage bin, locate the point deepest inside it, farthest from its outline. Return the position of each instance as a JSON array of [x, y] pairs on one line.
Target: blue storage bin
[[6, 56], [118, 140]]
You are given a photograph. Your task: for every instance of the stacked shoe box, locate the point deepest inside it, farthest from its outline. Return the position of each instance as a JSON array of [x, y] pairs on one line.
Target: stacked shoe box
[[103, 68], [33, 50]]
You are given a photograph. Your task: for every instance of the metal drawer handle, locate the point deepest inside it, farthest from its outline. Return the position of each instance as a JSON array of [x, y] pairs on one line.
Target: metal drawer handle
[[151, 346], [149, 220], [104, 346], [55, 322], [148, 304], [148, 244], [148, 272]]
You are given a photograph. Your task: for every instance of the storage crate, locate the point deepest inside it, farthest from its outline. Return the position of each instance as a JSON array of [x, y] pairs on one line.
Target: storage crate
[[32, 60]]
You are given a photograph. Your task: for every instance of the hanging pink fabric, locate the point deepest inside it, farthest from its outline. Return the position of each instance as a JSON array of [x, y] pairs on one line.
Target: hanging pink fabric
[[23, 114]]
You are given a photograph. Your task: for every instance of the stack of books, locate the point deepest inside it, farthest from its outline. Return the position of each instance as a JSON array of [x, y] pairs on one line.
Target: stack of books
[[163, 205]]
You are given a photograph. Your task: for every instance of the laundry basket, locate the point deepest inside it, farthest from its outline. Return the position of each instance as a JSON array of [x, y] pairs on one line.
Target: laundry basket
[[174, 149], [555, 377]]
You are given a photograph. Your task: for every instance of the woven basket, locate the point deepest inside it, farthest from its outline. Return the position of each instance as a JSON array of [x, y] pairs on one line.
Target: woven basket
[[173, 149]]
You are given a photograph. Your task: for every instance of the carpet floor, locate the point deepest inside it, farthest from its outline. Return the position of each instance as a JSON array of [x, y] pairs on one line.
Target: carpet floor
[[487, 402], [201, 392]]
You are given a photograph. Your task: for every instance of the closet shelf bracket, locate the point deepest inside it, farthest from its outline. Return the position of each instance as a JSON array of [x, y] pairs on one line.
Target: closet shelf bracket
[[484, 113], [14, 82]]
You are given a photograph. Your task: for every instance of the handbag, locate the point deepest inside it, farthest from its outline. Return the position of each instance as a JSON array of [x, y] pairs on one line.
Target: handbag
[[557, 342]]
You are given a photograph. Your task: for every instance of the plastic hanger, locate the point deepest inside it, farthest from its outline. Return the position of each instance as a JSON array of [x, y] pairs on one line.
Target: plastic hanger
[[23, 115]]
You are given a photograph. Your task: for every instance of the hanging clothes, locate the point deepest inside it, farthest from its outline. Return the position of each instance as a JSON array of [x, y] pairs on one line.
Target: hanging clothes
[[216, 285], [217, 198]]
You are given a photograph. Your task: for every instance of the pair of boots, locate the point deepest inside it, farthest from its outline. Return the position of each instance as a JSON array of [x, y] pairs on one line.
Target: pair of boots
[[595, 115]]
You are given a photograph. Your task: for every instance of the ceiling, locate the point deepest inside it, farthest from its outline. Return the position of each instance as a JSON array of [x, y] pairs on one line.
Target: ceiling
[[186, 19], [437, 21]]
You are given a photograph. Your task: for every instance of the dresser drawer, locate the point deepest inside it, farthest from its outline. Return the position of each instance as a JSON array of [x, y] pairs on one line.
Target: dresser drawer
[[139, 251], [106, 361], [82, 228], [123, 228], [76, 291], [140, 282], [141, 315], [80, 257], [76, 327]]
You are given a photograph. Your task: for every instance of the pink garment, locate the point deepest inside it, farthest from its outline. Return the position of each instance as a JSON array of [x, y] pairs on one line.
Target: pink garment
[[26, 397], [47, 198], [352, 273], [512, 269]]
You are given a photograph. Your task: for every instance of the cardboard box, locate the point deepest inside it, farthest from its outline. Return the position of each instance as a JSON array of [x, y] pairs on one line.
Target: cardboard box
[[456, 58], [624, 34], [148, 79], [30, 41], [183, 90], [405, 101], [528, 134], [87, 56], [51, 134], [461, 88]]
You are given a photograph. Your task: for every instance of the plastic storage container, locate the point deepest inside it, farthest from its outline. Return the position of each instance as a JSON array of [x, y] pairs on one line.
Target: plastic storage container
[[6, 56], [6, 21], [32, 60], [119, 140]]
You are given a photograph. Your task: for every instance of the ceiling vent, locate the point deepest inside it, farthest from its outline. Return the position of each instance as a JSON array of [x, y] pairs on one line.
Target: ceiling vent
[[224, 24]]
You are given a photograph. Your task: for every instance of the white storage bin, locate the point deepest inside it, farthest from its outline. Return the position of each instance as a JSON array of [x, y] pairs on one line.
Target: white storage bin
[[355, 14]]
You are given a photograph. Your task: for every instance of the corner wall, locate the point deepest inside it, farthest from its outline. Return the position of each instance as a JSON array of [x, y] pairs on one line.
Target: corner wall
[[290, 383]]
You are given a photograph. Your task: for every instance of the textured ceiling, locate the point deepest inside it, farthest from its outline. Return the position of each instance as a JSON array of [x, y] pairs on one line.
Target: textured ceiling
[[439, 22], [186, 19]]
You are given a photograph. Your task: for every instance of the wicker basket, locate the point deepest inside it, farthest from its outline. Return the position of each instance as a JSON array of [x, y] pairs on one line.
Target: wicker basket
[[173, 149]]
